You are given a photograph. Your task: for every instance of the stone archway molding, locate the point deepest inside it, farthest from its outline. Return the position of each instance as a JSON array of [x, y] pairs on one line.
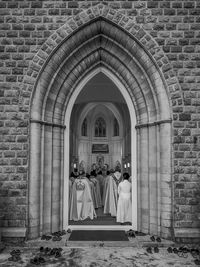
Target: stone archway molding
[[127, 24], [110, 41]]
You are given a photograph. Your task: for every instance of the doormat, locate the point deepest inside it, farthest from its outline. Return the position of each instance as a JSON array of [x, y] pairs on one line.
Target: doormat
[[98, 235]]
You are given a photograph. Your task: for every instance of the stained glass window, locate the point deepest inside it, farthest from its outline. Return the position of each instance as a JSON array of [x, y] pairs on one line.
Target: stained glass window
[[100, 127]]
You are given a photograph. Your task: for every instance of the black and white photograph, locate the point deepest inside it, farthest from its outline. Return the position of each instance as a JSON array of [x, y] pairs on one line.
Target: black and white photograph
[[100, 133]]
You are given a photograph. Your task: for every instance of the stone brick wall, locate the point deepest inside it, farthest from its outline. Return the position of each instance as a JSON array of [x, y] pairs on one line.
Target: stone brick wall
[[26, 25]]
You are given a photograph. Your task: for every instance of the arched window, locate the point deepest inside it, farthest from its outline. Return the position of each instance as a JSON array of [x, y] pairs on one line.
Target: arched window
[[84, 128], [115, 127], [100, 128]]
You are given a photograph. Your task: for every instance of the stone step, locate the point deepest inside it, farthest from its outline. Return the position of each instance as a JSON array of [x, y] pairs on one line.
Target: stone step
[[79, 244], [134, 242], [138, 241]]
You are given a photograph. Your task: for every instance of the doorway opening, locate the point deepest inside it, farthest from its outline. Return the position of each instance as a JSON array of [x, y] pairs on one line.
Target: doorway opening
[[102, 137]]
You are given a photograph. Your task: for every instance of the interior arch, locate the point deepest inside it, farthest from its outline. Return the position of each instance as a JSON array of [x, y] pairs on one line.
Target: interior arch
[[90, 106]]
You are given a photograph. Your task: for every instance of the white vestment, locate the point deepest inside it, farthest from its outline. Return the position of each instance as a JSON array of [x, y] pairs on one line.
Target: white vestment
[[124, 206], [81, 206]]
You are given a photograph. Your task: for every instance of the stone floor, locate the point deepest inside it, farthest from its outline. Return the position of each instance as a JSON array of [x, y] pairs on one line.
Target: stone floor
[[92, 254]]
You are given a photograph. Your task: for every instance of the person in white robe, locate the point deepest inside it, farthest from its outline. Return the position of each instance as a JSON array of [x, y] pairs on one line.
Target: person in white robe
[[81, 206], [111, 195], [124, 205]]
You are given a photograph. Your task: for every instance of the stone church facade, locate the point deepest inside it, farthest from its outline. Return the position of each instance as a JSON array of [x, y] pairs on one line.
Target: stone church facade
[[48, 51]]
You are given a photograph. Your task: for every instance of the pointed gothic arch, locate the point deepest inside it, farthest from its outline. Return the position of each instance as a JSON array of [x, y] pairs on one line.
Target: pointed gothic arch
[[91, 106], [100, 39]]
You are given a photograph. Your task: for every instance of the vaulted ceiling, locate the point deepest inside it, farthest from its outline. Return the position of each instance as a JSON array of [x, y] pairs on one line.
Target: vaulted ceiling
[[100, 89]]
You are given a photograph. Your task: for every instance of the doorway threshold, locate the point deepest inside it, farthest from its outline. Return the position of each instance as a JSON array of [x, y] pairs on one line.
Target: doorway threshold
[[100, 227], [100, 244]]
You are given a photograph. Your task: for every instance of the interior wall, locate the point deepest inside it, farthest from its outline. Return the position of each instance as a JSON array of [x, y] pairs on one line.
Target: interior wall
[[82, 146]]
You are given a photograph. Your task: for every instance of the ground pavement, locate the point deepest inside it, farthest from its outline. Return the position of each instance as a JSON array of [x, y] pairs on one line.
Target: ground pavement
[[140, 251]]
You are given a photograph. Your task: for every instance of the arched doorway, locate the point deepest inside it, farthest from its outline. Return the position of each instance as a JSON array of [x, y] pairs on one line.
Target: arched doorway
[[133, 133], [100, 42]]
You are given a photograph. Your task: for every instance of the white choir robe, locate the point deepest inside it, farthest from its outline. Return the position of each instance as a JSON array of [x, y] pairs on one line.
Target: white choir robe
[[124, 205], [110, 202], [81, 206]]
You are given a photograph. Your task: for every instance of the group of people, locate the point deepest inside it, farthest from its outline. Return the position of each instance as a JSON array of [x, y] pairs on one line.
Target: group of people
[[88, 192]]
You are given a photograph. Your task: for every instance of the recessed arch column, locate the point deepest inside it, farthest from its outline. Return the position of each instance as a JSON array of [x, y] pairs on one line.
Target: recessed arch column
[[76, 54], [34, 203]]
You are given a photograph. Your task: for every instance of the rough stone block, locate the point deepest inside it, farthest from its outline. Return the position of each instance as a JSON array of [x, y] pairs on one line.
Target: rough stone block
[[13, 232], [177, 4], [179, 139], [184, 147], [36, 4], [127, 5], [178, 155], [184, 117], [29, 12], [72, 4]]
